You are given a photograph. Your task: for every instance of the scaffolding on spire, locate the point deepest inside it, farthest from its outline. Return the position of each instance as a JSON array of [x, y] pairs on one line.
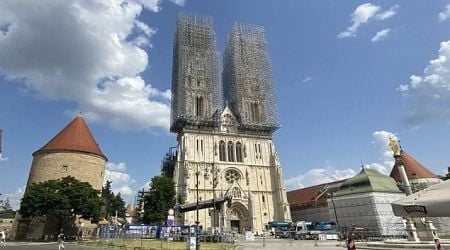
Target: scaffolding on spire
[[195, 73], [247, 78]]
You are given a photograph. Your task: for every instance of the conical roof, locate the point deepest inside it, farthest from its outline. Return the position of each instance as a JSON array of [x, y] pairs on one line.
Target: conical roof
[[413, 168], [368, 180], [76, 136]]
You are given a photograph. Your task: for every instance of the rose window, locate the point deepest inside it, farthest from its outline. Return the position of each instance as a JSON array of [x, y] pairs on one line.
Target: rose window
[[232, 176]]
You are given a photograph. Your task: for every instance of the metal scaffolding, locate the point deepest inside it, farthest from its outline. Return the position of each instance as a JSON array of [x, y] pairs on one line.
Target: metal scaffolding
[[247, 78], [195, 73]]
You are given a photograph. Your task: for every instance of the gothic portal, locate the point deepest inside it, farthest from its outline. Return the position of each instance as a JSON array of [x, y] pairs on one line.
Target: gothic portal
[[224, 128]]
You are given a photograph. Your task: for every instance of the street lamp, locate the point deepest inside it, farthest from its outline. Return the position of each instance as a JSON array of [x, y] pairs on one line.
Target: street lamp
[[335, 215], [197, 222], [214, 170]]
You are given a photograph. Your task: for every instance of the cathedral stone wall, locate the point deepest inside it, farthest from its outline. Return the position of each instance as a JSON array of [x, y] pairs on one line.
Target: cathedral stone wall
[[56, 165], [255, 183]]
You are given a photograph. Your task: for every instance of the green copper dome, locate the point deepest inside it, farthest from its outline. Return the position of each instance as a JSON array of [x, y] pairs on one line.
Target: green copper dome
[[368, 180]]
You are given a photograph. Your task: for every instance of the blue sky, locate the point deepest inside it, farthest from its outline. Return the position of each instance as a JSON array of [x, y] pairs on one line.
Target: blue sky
[[348, 75]]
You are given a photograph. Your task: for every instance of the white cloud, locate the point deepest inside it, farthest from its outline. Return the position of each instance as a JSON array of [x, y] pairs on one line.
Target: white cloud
[[445, 14], [329, 173], [388, 13], [152, 5], [307, 79], [178, 2], [430, 92], [2, 158], [403, 88], [363, 14], [380, 35], [385, 157], [88, 52], [317, 176], [116, 172]]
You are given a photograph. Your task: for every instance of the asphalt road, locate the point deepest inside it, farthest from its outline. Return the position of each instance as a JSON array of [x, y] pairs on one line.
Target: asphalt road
[[289, 244]]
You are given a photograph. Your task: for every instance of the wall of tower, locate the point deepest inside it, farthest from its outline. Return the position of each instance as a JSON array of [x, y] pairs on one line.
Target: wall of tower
[[247, 78], [56, 165], [256, 188], [195, 72]]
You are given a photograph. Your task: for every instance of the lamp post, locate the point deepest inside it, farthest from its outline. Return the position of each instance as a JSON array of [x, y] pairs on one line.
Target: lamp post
[[335, 215], [214, 170], [197, 222]]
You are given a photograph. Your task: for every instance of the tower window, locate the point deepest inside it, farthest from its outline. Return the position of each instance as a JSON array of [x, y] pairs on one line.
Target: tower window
[[254, 112], [199, 106], [263, 199], [230, 151], [222, 151], [239, 152], [64, 168]]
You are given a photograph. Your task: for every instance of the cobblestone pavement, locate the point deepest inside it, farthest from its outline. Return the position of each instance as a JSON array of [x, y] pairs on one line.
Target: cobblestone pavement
[[288, 244]]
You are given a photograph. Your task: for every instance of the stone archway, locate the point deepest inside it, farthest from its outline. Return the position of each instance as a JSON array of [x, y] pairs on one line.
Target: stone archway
[[239, 218]]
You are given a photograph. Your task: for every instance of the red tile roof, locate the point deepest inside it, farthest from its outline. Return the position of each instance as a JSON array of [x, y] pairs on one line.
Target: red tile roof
[[309, 194], [413, 168], [76, 136]]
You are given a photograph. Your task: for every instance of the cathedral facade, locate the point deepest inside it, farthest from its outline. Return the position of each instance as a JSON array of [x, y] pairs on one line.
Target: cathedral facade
[[224, 128]]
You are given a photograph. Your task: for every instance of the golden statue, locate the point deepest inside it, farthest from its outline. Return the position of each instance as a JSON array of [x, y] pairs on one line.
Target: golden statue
[[394, 146]]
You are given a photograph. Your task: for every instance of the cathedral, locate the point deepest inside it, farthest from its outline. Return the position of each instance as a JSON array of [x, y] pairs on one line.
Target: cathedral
[[224, 124]]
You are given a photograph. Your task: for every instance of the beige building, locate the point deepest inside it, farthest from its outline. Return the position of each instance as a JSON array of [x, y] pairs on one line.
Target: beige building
[[72, 152], [226, 149]]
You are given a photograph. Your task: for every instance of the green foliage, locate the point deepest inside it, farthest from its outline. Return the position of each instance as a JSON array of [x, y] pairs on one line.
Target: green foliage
[[160, 198], [112, 203], [6, 210], [62, 199]]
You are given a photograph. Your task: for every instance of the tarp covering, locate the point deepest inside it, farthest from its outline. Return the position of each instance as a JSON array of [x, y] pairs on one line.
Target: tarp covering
[[430, 202]]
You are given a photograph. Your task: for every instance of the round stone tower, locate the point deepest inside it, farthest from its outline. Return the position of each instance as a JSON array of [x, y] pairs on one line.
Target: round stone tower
[[74, 152]]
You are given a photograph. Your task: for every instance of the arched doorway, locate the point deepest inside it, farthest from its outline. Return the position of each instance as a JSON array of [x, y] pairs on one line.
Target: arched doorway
[[239, 217]]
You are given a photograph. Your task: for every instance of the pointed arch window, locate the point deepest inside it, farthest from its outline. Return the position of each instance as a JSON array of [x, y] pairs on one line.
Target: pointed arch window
[[254, 112], [199, 106], [230, 151], [239, 152], [222, 151]]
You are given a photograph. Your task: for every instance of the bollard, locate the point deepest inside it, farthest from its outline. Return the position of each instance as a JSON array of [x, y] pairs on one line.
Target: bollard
[[316, 244]]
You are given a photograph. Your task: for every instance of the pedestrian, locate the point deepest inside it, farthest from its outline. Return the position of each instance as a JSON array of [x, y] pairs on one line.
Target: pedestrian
[[3, 238], [437, 243], [61, 240], [351, 243]]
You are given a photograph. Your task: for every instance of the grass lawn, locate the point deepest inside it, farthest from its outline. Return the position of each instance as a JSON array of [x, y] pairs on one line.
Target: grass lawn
[[156, 245]]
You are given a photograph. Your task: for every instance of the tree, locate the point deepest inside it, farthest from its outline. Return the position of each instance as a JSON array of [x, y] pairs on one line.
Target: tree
[[159, 199], [107, 196], [61, 199], [112, 203], [6, 210], [117, 204]]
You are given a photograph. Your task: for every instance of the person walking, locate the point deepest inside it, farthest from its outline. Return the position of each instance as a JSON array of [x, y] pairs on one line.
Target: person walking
[[3, 238], [61, 240]]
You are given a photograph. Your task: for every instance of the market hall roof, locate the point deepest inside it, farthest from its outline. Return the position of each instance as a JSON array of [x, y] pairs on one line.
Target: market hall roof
[[368, 180], [76, 136], [413, 168], [310, 194]]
